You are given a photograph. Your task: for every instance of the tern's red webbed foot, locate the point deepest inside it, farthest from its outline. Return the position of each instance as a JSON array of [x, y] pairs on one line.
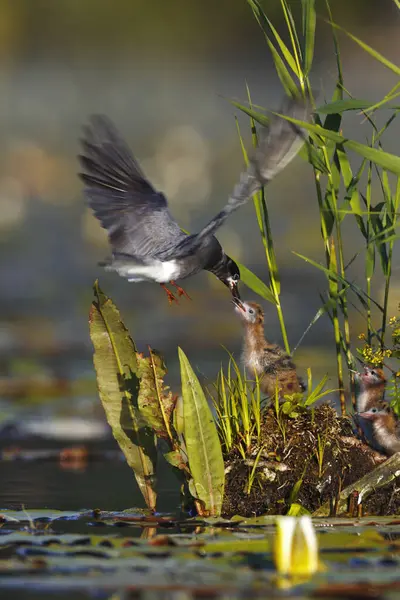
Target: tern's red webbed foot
[[171, 297], [181, 291]]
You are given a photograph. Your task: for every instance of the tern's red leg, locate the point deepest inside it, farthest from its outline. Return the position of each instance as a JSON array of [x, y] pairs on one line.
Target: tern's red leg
[[171, 297], [181, 291]]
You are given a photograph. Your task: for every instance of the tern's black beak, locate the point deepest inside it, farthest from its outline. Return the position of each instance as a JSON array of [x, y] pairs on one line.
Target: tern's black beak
[[235, 291]]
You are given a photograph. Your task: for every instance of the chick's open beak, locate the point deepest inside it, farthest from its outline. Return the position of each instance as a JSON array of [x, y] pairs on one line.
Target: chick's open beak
[[238, 304], [367, 415]]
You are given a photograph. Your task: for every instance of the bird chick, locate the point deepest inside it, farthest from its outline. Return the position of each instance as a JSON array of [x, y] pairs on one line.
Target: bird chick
[[273, 366], [385, 426], [372, 382], [372, 388]]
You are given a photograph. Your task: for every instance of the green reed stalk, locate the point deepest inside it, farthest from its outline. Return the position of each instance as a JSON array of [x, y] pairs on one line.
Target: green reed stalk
[[264, 226], [394, 208]]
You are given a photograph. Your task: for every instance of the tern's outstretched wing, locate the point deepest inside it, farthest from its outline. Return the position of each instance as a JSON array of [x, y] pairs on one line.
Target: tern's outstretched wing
[[134, 214], [278, 145]]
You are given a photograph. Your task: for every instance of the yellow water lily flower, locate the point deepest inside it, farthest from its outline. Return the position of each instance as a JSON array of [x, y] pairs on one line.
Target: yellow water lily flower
[[295, 546]]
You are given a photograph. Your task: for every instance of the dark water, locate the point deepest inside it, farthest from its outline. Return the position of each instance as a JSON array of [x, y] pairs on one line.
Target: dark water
[[106, 484], [80, 554]]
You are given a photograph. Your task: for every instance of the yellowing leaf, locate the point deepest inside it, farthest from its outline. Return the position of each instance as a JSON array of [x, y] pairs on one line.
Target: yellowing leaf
[[117, 379]]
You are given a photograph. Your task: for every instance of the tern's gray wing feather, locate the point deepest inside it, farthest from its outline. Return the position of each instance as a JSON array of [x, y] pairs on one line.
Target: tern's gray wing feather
[[134, 214], [278, 145]]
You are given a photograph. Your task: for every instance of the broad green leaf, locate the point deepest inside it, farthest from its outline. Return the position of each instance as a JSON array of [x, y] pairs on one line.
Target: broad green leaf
[[176, 459], [202, 443], [254, 283], [155, 400], [117, 379]]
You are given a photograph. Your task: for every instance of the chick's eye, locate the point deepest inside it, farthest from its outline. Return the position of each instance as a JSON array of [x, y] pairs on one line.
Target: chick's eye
[[251, 311], [373, 372], [374, 410], [235, 277]]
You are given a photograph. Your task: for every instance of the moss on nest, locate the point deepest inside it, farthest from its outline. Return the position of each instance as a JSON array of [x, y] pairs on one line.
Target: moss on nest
[[283, 462]]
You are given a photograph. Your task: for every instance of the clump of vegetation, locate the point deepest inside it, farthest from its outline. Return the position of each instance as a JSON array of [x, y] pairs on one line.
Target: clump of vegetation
[[302, 463], [145, 416], [286, 457]]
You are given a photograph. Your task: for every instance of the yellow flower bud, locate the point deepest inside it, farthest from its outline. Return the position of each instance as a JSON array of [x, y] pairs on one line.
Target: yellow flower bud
[[295, 546]]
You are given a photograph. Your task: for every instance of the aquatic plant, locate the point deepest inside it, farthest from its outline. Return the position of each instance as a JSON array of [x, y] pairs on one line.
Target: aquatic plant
[[340, 191], [142, 412], [239, 409]]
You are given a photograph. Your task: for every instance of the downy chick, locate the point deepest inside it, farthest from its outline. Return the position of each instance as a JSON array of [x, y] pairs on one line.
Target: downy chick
[[372, 388], [385, 427], [372, 383], [273, 366]]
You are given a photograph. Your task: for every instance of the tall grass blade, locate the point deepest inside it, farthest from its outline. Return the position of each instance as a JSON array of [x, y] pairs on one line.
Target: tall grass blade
[[296, 47], [309, 22], [379, 57], [341, 106], [391, 162], [331, 274]]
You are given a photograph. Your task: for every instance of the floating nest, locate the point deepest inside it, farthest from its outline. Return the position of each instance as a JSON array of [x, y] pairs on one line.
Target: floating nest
[[310, 464]]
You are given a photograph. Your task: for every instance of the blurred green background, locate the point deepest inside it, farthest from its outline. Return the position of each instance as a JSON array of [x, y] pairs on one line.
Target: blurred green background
[[163, 71]]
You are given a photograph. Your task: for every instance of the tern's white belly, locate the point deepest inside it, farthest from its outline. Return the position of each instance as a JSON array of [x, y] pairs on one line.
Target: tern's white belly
[[158, 271]]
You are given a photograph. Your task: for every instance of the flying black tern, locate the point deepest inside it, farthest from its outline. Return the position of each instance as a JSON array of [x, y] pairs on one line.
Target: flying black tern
[[147, 242]]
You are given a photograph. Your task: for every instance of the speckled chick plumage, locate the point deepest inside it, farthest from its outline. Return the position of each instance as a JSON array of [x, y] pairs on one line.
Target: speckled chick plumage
[[273, 366], [370, 399]]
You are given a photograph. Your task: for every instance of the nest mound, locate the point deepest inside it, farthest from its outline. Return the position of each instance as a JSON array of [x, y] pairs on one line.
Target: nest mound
[[289, 469]]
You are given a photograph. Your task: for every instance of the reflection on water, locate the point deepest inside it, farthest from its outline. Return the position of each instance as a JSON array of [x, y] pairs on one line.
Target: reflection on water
[[107, 484]]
